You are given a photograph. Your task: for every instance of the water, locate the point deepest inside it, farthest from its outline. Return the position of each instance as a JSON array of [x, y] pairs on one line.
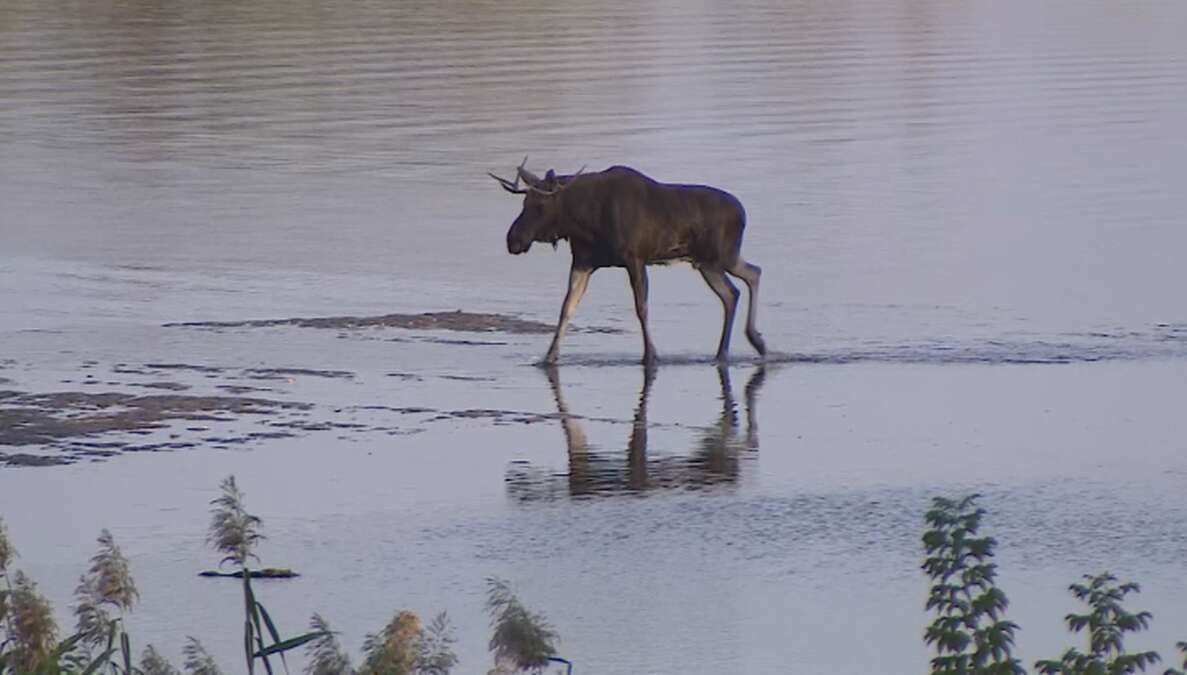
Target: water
[[969, 219]]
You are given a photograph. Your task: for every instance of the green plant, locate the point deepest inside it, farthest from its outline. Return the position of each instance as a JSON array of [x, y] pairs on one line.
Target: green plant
[[106, 591], [436, 648], [197, 660], [522, 640], [1107, 623], [404, 647], [969, 634], [326, 656], [235, 533], [28, 633], [395, 649], [30, 643], [1182, 647], [31, 634], [106, 588], [152, 663]]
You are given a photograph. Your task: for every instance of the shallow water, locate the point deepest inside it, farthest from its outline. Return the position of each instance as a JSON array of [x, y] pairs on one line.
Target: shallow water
[[970, 223]]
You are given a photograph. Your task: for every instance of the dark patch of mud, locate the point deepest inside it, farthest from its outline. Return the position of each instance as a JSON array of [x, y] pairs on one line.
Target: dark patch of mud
[[409, 377], [285, 373], [125, 369], [310, 425], [472, 322], [82, 425], [159, 447], [47, 419], [404, 410], [182, 366], [405, 376], [498, 417], [168, 386], [239, 389], [467, 343], [24, 459]]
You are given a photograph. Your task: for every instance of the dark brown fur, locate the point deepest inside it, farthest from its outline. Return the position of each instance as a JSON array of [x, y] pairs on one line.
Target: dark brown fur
[[622, 218]]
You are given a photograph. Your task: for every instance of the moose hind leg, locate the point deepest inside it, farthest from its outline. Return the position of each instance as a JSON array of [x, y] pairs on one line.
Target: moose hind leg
[[750, 274], [638, 276], [729, 303], [578, 282]]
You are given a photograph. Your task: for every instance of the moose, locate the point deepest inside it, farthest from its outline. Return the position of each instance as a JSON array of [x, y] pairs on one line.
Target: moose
[[621, 218]]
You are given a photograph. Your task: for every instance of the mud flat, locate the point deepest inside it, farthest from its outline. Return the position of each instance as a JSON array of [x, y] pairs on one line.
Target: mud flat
[[104, 405], [458, 320], [69, 420]]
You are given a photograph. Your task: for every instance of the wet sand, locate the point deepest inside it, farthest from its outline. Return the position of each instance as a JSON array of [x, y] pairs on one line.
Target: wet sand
[[63, 427], [457, 320]]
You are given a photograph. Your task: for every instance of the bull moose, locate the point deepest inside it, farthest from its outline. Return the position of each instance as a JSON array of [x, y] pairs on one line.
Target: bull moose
[[622, 218]]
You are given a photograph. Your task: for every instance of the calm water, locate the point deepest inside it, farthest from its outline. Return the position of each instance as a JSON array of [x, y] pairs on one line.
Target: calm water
[[970, 218]]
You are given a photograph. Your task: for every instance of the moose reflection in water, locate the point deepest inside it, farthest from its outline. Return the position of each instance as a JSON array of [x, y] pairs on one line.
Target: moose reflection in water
[[715, 459]]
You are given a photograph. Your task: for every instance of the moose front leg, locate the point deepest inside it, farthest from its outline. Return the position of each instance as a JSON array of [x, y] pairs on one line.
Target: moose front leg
[[729, 302], [638, 275], [578, 281]]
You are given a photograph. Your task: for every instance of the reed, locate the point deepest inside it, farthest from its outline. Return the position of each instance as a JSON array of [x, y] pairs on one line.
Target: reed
[[197, 660], [969, 633], [234, 532], [326, 656], [152, 663], [523, 640]]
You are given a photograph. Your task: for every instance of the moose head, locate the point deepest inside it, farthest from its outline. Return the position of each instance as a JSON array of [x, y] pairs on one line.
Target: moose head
[[540, 218]]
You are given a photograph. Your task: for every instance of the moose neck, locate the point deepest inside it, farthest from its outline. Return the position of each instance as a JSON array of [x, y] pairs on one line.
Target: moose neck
[[574, 211]]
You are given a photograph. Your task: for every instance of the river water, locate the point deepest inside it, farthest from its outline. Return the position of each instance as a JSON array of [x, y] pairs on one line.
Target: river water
[[970, 221]]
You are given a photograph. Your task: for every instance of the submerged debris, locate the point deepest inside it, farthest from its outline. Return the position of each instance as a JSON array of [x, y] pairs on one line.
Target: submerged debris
[[266, 573]]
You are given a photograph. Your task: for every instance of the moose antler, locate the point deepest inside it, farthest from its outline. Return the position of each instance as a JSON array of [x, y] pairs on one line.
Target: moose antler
[[559, 185], [531, 181], [513, 188]]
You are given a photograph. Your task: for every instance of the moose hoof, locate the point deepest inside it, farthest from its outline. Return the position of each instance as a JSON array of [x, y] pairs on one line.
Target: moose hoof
[[759, 344]]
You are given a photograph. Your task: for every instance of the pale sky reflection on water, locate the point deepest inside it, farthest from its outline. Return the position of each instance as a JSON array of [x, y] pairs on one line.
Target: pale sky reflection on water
[[970, 220]]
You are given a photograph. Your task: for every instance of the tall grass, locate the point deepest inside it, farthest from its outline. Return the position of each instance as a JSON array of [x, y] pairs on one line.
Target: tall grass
[[152, 663], [234, 532], [522, 640], [969, 633], [197, 661]]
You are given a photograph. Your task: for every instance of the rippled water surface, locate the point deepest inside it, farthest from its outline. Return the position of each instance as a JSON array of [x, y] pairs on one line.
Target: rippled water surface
[[970, 221]]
